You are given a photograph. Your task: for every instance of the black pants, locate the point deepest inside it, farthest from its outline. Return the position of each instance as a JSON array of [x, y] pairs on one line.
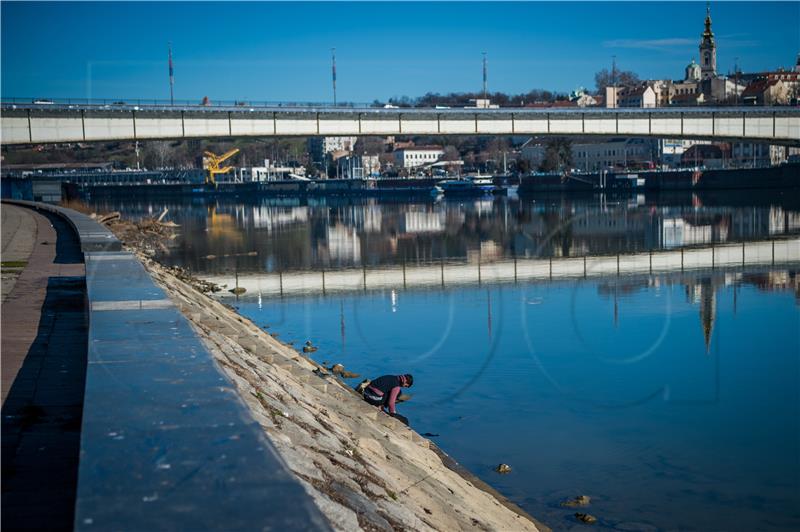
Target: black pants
[[376, 400]]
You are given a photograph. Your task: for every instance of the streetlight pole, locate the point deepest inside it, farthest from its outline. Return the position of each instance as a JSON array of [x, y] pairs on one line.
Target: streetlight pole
[[333, 73], [484, 76], [171, 78]]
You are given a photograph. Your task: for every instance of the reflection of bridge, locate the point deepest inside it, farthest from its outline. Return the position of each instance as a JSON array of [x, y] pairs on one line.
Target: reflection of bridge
[[444, 274], [49, 122]]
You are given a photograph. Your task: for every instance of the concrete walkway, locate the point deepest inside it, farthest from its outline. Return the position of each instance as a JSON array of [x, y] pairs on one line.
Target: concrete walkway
[[18, 236], [44, 343]]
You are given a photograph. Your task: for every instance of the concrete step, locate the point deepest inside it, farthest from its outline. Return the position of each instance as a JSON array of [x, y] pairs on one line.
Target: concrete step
[[301, 375], [422, 442], [338, 393], [321, 385], [366, 410], [250, 343]]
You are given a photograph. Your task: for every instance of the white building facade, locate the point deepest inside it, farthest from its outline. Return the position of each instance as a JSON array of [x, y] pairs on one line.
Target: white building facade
[[417, 156]]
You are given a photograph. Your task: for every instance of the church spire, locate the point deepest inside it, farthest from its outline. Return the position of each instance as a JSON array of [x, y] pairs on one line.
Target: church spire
[[708, 34], [708, 48]]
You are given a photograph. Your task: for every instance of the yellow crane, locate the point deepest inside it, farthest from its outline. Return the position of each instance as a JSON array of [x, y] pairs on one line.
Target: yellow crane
[[212, 161]]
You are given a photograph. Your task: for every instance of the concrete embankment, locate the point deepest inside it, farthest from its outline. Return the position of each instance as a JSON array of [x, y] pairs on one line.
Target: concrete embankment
[[364, 469]]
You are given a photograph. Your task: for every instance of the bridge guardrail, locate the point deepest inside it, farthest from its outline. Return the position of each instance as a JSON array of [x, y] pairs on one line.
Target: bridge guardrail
[[274, 105]]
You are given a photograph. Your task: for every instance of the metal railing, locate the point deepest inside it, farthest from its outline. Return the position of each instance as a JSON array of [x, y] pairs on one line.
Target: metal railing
[[164, 104]]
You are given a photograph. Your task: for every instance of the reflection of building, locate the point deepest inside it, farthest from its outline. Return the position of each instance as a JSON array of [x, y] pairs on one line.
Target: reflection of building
[[703, 293], [344, 244], [775, 281], [423, 222], [373, 219], [679, 232], [272, 218], [708, 311]]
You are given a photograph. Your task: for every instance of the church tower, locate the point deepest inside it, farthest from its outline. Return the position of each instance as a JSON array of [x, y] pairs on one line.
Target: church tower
[[708, 49]]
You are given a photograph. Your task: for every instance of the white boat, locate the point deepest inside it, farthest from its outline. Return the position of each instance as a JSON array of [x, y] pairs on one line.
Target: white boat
[[467, 186]]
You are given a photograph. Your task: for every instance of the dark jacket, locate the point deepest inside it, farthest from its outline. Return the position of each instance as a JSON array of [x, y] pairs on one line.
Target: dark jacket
[[388, 387]]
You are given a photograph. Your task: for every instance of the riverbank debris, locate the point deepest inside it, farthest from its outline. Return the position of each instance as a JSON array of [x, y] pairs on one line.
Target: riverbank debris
[[227, 255], [205, 287], [110, 217], [580, 500], [503, 469], [309, 347], [338, 369], [237, 291], [429, 435], [586, 518], [150, 236], [362, 386]]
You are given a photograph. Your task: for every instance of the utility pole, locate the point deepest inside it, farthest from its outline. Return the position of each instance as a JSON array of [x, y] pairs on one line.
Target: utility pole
[[171, 78], [333, 72], [485, 92], [613, 70]]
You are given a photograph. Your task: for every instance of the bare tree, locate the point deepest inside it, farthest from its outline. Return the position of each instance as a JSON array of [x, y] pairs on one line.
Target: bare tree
[[157, 154], [557, 155], [620, 78], [370, 146], [450, 154]]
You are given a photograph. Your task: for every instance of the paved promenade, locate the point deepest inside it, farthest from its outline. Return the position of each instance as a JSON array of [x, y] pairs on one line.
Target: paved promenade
[[19, 234], [44, 341]]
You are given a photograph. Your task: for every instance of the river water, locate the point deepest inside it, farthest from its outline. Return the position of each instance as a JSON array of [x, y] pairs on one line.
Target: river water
[[671, 398]]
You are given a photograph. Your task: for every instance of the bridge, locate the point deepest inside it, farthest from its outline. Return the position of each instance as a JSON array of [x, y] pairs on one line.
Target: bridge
[[448, 274], [49, 122]]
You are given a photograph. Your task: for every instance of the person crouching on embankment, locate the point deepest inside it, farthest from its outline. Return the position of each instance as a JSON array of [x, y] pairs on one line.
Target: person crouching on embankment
[[385, 390]]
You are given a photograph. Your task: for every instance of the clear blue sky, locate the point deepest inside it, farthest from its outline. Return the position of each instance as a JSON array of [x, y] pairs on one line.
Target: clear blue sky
[[281, 51]]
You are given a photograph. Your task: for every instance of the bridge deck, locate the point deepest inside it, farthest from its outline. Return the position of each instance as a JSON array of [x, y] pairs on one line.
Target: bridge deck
[[31, 123]]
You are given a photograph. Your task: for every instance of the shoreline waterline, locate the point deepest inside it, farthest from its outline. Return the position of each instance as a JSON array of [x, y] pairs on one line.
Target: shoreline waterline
[[362, 468]]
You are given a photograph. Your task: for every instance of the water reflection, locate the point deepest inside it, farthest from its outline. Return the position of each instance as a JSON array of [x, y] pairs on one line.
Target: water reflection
[[315, 234], [665, 397]]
